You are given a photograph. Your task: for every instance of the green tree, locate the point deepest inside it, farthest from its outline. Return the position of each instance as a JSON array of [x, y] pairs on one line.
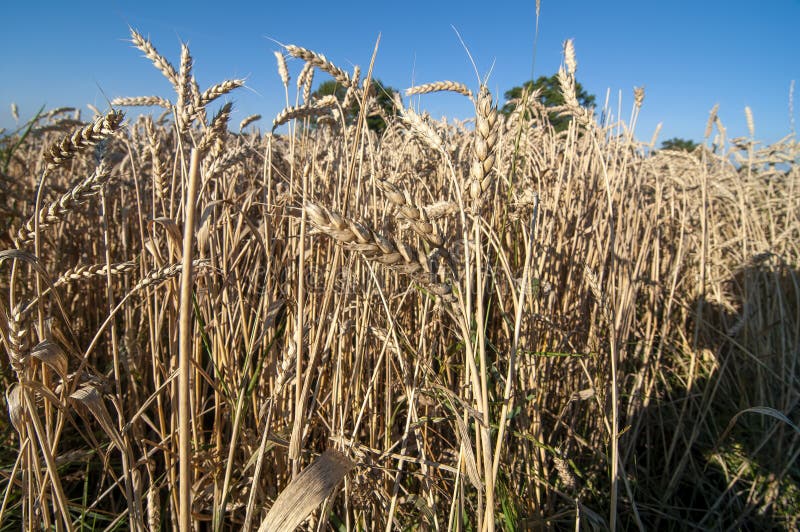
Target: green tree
[[383, 94], [550, 95], [678, 144]]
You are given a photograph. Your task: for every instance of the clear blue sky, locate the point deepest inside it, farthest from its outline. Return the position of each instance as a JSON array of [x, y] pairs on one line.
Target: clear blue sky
[[689, 55]]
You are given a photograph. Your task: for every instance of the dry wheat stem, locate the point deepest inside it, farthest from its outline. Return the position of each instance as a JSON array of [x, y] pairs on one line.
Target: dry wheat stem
[[185, 355]]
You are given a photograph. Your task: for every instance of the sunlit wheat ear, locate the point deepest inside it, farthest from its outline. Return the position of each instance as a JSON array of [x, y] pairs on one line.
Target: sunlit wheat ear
[[712, 117], [316, 108], [158, 60], [220, 89], [248, 120], [751, 126], [159, 169], [485, 140], [569, 57], [70, 146], [415, 215], [395, 255], [319, 61], [90, 271], [159, 275], [283, 72], [353, 93], [438, 86], [214, 136], [142, 101], [421, 128], [305, 81], [638, 97], [184, 88], [17, 338], [57, 211]]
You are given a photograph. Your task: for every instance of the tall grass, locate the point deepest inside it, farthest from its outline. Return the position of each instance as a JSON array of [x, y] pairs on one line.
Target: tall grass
[[489, 325]]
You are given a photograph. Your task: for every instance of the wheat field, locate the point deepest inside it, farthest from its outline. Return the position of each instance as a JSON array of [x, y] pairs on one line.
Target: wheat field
[[479, 325]]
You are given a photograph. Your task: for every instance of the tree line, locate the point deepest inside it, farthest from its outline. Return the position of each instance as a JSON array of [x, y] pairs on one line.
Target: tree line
[[548, 92]]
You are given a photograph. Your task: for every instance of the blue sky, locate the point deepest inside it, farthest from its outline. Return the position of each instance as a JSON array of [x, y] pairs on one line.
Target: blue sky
[[688, 55]]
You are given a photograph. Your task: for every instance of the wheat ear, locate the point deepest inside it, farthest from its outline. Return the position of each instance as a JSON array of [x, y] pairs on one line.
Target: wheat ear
[[319, 61], [395, 255], [439, 86], [71, 145], [158, 60], [56, 211]]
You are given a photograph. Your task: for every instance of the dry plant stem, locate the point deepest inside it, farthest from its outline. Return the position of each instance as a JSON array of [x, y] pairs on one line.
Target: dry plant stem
[[296, 444], [703, 321], [480, 326], [351, 169], [184, 357], [232, 447], [52, 468], [262, 451], [510, 377], [134, 501], [613, 346]]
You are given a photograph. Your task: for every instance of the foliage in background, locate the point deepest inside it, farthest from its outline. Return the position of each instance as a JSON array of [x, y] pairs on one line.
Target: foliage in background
[[679, 144], [384, 103], [550, 95]]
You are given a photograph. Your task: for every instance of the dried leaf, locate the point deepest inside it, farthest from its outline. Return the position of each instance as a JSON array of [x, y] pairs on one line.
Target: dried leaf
[[90, 397], [174, 236], [16, 412], [468, 454], [51, 354], [307, 491]]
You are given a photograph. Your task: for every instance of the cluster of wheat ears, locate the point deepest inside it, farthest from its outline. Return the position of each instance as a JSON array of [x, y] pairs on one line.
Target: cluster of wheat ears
[[449, 326]]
